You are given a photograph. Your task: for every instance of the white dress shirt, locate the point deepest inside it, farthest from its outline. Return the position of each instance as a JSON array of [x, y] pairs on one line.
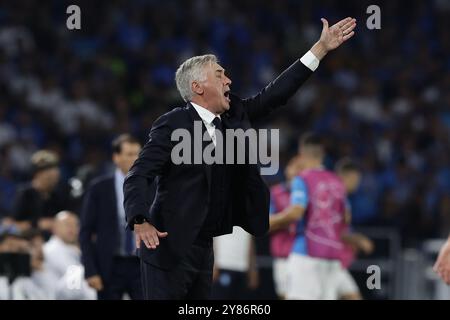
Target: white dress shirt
[[310, 61], [231, 251], [119, 179], [207, 117]]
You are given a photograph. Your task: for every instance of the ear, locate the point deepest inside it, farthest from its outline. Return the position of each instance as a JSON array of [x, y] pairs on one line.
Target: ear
[[197, 88]]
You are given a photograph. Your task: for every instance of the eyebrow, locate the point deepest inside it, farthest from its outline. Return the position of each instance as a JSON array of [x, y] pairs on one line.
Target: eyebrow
[[220, 70]]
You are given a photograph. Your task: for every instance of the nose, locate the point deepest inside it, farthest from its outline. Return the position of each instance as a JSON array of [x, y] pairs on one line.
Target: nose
[[227, 81]]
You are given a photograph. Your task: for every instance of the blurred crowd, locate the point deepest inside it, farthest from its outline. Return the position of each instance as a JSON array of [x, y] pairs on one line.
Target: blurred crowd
[[384, 99]]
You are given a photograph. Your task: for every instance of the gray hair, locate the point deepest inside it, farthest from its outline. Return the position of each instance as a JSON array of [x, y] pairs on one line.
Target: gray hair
[[192, 70]]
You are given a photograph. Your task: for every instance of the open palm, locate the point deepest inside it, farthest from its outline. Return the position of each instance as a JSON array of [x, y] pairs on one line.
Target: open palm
[[332, 37]]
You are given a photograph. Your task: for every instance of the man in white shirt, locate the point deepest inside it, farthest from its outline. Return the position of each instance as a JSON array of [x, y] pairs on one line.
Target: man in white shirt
[[62, 257], [36, 283]]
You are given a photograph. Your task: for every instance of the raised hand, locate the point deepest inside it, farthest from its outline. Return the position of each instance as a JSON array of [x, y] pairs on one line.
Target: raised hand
[[332, 37]]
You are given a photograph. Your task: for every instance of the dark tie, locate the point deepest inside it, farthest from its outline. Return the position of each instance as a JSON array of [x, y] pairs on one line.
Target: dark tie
[[218, 124]]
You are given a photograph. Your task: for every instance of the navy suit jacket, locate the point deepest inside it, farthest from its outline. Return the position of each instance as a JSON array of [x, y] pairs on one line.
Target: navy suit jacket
[[182, 197], [99, 232]]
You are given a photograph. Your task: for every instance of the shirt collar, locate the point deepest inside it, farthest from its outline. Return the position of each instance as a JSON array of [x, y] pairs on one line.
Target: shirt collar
[[204, 113], [120, 177]]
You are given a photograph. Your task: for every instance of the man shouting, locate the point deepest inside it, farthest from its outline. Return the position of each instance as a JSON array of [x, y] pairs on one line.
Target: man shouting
[[196, 202]]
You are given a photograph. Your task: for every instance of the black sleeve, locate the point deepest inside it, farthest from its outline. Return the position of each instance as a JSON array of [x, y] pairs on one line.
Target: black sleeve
[[88, 227], [277, 93], [150, 163], [25, 206]]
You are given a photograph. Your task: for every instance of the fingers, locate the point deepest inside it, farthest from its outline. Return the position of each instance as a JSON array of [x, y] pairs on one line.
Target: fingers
[[100, 285], [348, 30], [444, 274], [162, 234], [144, 237], [138, 241], [348, 26], [146, 241], [154, 240], [446, 277], [442, 269], [348, 36], [437, 264], [325, 23], [150, 238], [439, 268], [341, 23]]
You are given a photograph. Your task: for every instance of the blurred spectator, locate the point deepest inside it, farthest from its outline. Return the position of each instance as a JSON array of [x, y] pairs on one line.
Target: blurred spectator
[[40, 285], [36, 202], [14, 261], [281, 241], [30, 280], [62, 257], [111, 267], [353, 243]]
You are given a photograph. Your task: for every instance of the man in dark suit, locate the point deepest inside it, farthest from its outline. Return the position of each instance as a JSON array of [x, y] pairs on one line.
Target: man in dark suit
[[108, 250], [196, 202]]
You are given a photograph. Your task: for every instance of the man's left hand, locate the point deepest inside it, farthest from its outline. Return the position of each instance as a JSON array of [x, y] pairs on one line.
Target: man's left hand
[[332, 37]]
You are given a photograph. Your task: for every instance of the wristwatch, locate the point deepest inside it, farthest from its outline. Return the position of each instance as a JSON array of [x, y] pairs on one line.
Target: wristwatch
[[139, 220]]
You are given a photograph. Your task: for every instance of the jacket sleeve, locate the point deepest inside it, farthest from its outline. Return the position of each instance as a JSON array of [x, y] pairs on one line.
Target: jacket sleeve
[[88, 229], [151, 161], [277, 92]]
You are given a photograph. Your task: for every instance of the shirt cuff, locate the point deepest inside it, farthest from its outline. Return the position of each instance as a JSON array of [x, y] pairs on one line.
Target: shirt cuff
[[310, 61]]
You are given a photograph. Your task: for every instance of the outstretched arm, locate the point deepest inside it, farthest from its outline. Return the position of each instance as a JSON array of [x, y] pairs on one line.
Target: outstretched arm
[[277, 92], [332, 37]]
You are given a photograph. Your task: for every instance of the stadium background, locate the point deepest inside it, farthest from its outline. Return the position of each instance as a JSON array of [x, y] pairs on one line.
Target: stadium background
[[383, 99]]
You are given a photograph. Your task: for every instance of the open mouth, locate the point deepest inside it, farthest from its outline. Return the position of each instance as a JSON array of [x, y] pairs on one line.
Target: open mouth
[[227, 95]]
